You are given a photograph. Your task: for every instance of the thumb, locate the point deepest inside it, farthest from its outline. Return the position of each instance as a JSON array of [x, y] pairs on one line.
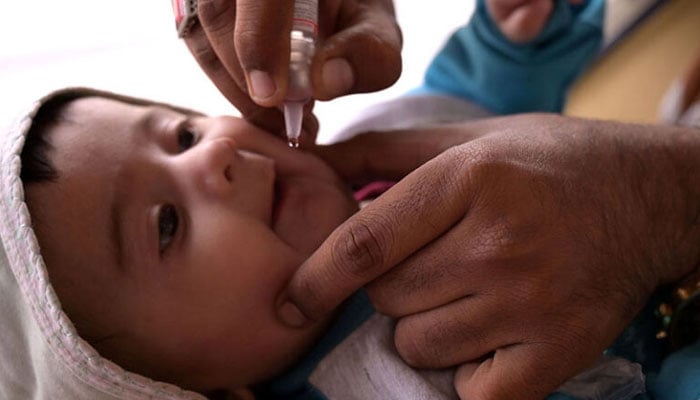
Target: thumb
[[522, 371], [364, 55], [261, 39]]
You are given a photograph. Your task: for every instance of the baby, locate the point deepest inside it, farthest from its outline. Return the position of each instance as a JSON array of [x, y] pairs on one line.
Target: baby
[[195, 226]]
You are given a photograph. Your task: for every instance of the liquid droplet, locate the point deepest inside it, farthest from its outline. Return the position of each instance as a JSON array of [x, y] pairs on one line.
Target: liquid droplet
[[293, 143]]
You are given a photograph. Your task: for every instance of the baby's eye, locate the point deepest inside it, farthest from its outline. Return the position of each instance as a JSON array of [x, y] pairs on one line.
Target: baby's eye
[[185, 138], [168, 222]]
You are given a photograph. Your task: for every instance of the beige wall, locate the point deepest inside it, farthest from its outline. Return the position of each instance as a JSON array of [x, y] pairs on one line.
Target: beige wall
[[628, 83]]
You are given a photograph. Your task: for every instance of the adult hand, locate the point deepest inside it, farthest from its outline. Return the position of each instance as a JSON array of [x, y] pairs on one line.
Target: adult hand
[[243, 46], [522, 20], [518, 255]]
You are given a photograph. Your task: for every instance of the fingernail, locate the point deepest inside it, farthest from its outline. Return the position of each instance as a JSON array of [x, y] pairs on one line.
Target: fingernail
[[262, 85], [291, 315], [337, 76]]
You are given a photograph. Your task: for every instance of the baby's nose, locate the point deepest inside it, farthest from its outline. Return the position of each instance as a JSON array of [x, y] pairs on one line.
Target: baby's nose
[[215, 162]]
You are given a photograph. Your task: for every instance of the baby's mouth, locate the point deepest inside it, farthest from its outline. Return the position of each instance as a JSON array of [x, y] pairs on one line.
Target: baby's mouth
[[276, 202]]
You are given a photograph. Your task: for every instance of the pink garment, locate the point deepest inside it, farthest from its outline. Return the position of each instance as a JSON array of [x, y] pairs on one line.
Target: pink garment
[[373, 190]]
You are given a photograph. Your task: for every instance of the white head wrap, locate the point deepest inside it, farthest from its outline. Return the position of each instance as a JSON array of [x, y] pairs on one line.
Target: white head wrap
[[41, 354]]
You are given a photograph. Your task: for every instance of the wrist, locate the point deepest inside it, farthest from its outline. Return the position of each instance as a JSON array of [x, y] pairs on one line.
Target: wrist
[[676, 209]]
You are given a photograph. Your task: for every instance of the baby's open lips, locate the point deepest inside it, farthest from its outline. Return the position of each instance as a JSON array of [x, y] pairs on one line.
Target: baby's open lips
[[276, 202]]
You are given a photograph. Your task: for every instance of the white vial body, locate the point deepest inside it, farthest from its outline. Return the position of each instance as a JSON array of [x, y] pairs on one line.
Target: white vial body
[[301, 53], [302, 47]]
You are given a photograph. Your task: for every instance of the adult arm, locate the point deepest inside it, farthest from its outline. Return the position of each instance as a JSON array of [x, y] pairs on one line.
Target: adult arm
[[243, 46], [519, 254]]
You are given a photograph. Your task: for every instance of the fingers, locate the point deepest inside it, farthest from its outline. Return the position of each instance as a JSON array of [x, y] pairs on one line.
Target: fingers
[[234, 33], [248, 60], [265, 66], [363, 55], [211, 43], [466, 329], [486, 250], [458, 264], [522, 371], [361, 50], [368, 244]]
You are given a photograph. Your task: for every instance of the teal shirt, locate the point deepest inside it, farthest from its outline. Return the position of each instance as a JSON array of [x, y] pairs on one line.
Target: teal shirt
[[479, 64]]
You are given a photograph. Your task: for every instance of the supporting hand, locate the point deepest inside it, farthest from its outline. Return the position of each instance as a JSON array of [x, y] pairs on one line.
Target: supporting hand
[[519, 252]]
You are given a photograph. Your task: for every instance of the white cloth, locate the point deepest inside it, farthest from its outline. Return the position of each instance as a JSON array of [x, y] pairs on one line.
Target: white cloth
[[41, 355], [366, 366]]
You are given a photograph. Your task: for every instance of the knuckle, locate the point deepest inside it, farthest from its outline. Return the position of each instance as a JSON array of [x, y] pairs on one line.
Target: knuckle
[[247, 40], [390, 52], [408, 346], [418, 347], [383, 300], [217, 16], [402, 290], [203, 52], [259, 45], [385, 53], [360, 254], [247, 36]]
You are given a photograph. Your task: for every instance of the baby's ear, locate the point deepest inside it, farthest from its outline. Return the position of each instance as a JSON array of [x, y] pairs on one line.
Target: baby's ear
[[241, 394]]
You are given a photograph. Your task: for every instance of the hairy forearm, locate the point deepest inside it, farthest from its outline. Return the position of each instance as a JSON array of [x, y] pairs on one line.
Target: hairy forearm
[[674, 166], [647, 195]]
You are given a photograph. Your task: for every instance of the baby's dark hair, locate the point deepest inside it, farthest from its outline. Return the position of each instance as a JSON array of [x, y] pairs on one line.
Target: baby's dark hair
[[36, 161]]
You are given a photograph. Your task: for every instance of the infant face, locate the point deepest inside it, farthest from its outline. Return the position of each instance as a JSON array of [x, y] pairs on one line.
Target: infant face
[[170, 237]]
